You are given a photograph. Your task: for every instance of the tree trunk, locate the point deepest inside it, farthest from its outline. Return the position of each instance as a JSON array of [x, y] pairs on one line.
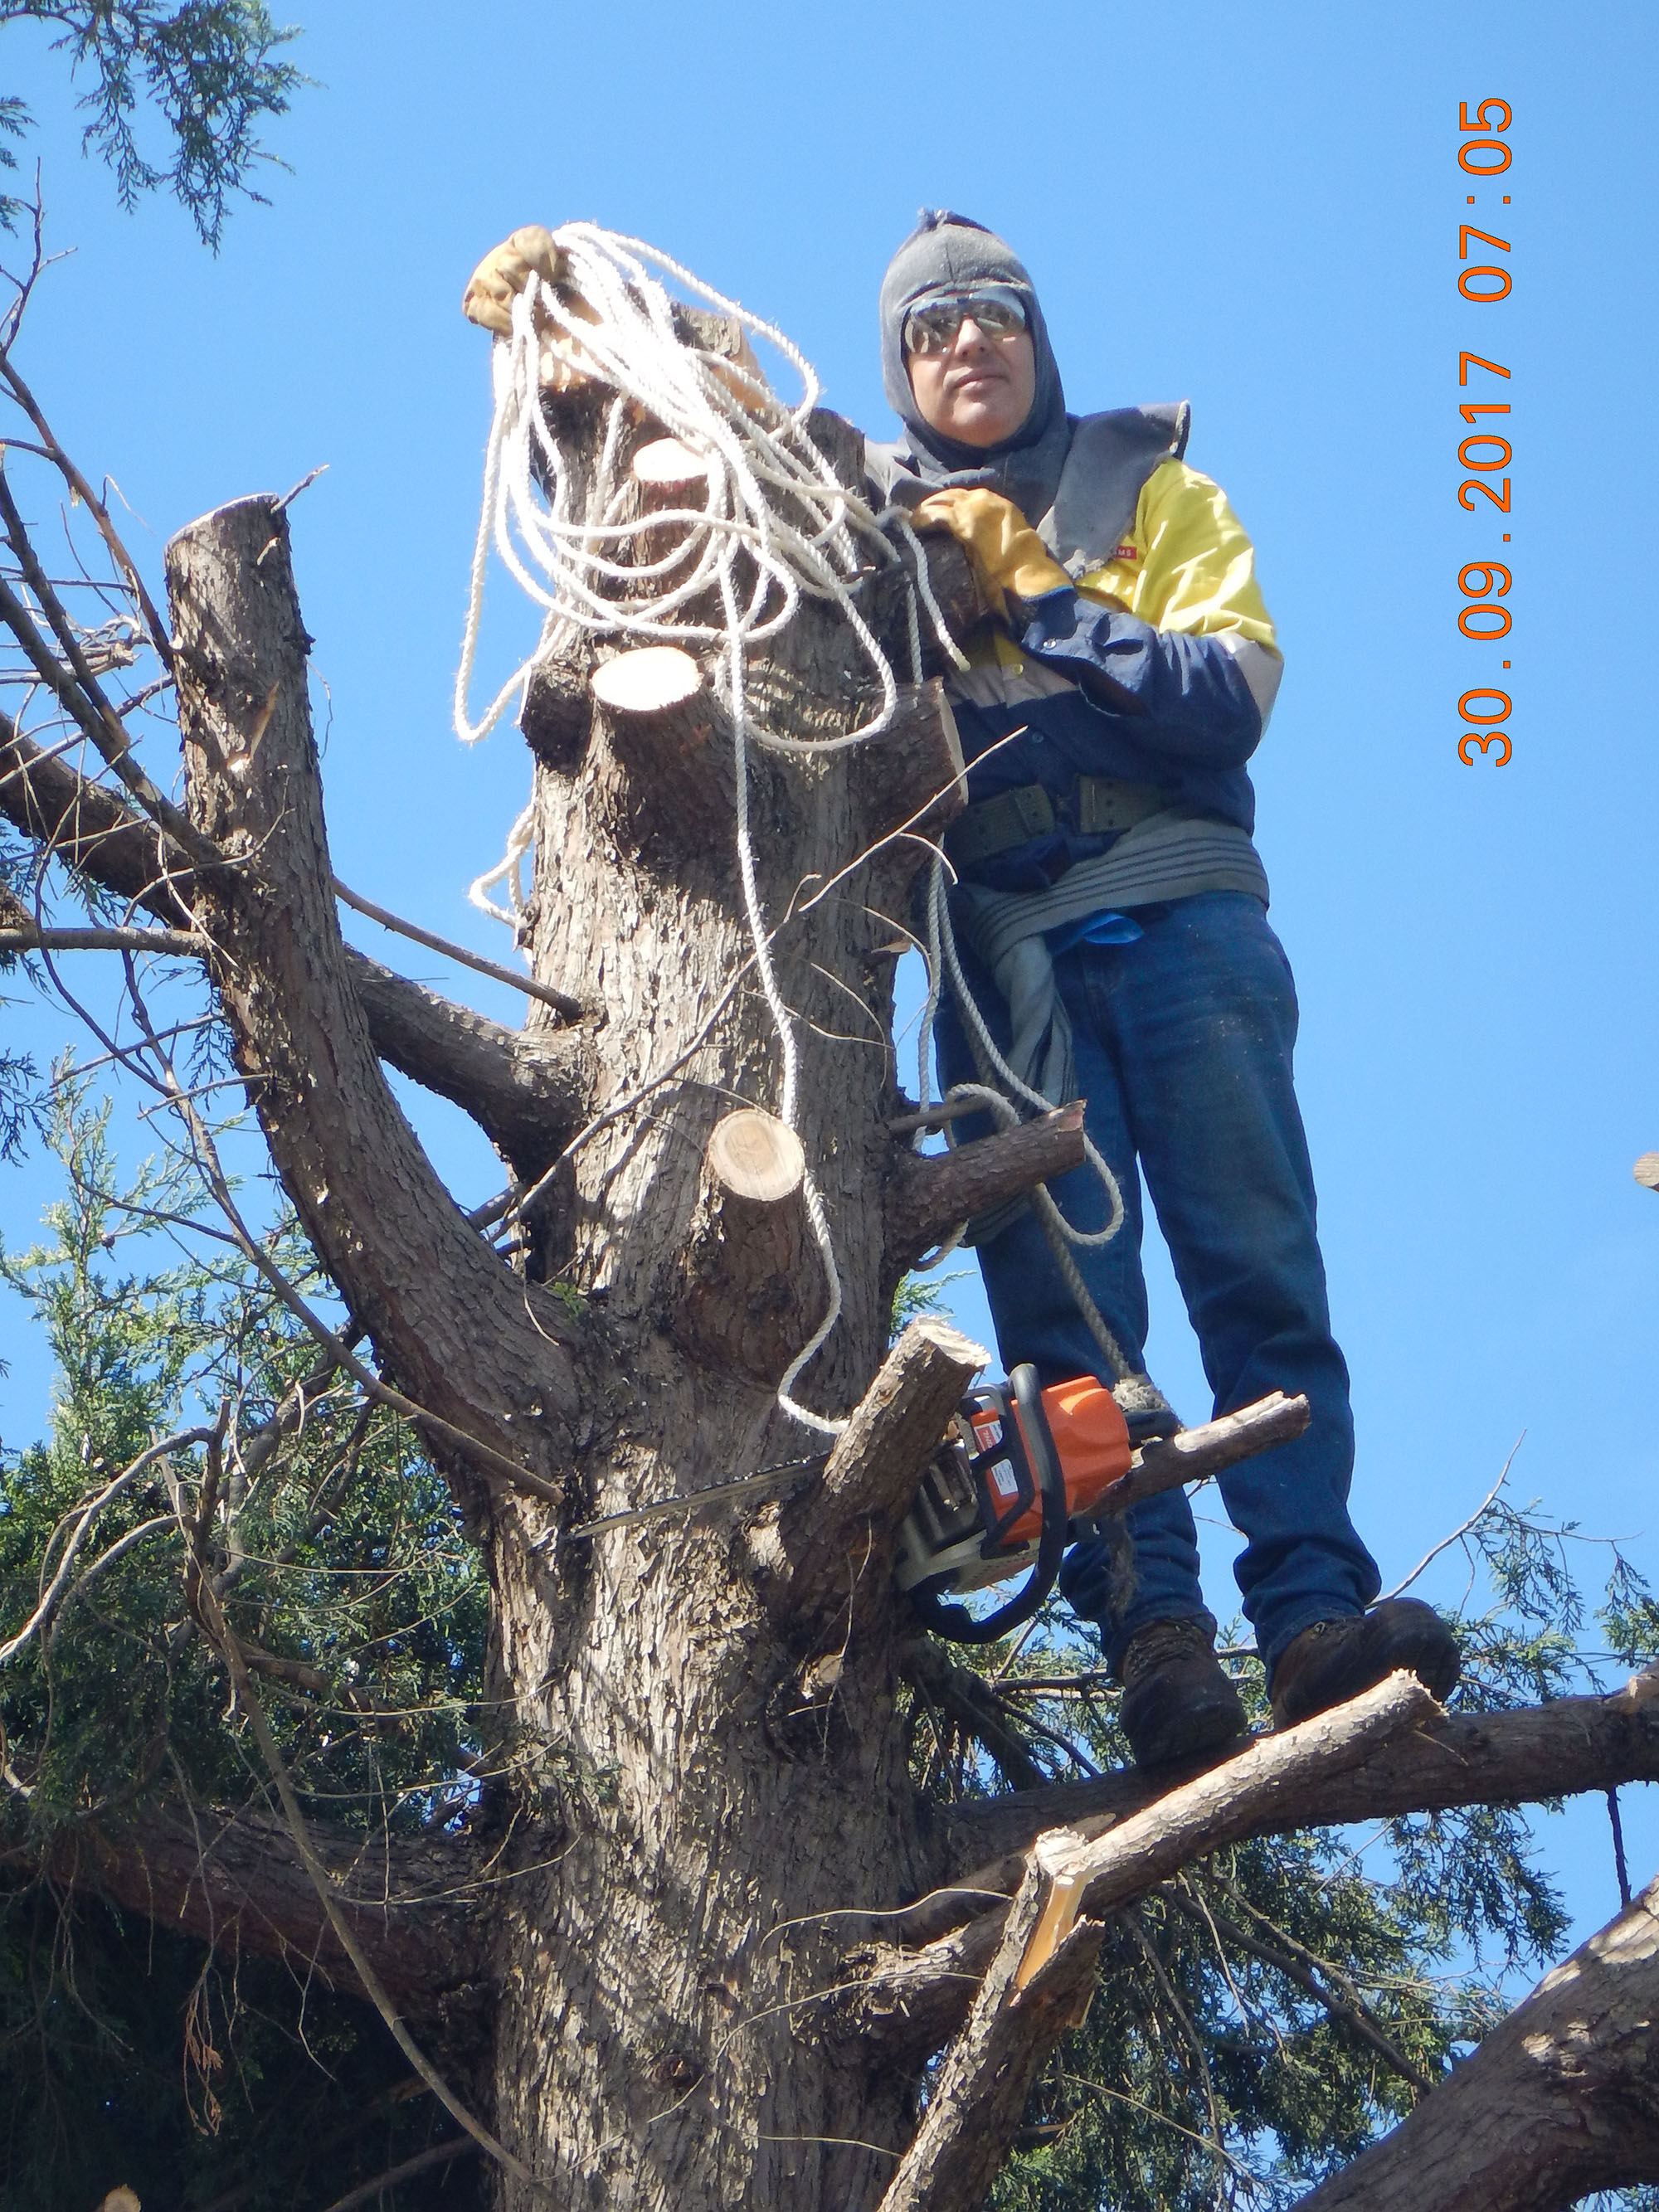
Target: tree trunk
[[698, 1710], [720, 1747]]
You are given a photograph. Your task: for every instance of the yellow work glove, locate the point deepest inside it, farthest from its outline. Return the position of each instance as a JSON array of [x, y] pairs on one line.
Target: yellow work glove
[[1007, 554], [504, 273]]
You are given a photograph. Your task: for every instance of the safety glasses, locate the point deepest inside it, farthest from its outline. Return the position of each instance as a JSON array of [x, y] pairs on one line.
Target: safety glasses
[[932, 327]]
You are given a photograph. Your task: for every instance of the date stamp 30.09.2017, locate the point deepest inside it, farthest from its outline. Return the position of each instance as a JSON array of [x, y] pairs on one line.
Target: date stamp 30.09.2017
[[1484, 154]]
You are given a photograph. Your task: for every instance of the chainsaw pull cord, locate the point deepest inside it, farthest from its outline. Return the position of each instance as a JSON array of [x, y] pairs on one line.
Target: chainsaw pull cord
[[954, 1620]]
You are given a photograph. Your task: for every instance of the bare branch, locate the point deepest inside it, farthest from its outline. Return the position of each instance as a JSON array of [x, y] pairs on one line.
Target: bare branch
[[929, 1194], [1556, 1750], [1561, 2099], [569, 1009]]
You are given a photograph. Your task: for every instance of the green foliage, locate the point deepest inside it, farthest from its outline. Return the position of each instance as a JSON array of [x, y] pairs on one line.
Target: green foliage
[[342, 1570], [208, 70]]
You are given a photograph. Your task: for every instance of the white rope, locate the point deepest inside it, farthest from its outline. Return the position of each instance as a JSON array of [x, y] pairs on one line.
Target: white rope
[[772, 501], [944, 960]]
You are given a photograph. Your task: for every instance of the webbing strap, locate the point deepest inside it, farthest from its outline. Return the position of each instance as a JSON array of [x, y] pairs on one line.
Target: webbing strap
[[1096, 805]]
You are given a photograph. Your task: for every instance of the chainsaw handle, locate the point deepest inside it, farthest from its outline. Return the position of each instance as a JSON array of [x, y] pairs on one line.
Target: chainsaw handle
[[954, 1620]]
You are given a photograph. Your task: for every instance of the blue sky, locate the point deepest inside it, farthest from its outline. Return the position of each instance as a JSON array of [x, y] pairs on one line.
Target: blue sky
[[1256, 210]]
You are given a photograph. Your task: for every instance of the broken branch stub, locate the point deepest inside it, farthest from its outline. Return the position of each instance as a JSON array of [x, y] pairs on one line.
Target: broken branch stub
[[912, 2001], [1039, 1984], [929, 1194], [746, 1285], [828, 1557]]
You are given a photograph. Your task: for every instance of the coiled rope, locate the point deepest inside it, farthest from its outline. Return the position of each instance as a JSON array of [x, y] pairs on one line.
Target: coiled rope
[[773, 497]]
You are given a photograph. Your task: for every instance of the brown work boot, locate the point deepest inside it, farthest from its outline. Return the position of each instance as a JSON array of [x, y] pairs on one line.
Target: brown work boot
[[1177, 1702], [1335, 1659]]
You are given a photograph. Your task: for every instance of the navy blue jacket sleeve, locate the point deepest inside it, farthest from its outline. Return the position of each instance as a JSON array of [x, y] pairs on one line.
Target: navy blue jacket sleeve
[[1182, 697]]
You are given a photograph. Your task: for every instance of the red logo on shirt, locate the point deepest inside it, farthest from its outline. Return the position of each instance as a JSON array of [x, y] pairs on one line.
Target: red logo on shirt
[[1126, 552]]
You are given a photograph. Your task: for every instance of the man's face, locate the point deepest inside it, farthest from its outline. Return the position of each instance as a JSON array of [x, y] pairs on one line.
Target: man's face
[[978, 389]]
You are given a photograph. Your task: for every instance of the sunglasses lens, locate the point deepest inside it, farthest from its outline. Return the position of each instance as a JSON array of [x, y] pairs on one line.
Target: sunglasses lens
[[934, 328]]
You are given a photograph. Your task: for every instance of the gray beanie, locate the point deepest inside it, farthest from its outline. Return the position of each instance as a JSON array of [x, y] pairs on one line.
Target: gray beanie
[[944, 252]]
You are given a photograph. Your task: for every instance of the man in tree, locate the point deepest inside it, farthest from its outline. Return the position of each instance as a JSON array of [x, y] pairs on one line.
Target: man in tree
[[1112, 912], [1111, 909]]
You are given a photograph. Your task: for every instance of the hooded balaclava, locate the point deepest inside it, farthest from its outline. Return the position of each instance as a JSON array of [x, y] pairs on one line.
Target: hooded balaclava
[[943, 252]]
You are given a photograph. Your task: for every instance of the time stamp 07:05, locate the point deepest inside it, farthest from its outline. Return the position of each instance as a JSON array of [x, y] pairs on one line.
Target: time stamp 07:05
[[1484, 154]]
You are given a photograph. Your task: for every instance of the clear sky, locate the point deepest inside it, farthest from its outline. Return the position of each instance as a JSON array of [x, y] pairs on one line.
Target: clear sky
[[1255, 209]]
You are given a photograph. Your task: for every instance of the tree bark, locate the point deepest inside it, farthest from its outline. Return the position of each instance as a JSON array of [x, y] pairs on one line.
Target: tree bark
[[427, 1289], [1560, 2101], [526, 1094], [235, 1880], [1556, 1750]]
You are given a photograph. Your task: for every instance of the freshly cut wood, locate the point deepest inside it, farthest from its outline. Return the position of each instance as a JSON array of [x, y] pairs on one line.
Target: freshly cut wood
[[1017, 2017], [669, 462], [662, 757], [1646, 1171], [754, 1156], [747, 1288], [647, 681], [911, 2002]]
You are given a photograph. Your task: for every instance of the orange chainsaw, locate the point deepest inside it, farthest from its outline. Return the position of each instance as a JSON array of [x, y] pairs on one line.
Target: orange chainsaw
[[1015, 1481]]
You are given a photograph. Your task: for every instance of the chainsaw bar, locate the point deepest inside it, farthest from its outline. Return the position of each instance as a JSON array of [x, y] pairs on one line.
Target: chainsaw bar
[[778, 1476]]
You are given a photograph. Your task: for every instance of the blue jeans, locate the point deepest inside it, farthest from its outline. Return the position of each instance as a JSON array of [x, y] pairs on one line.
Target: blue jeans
[[1183, 1041]]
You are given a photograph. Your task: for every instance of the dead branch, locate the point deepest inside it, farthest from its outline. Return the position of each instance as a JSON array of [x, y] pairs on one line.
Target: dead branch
[[1024, 2005], [569, 1009], [968, 1700], [912, 1998], [1556, 1750], [524, 1092]]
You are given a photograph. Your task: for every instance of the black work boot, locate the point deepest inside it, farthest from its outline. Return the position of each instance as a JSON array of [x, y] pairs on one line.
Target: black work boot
[[1177, 1702], [1335, 1659]]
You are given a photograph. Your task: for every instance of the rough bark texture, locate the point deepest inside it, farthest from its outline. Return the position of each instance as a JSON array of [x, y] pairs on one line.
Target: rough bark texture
[[931, 1194], [1501, 1759], [1560, 2101], [726, 1768], [427, 1289], [235, 1880]]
